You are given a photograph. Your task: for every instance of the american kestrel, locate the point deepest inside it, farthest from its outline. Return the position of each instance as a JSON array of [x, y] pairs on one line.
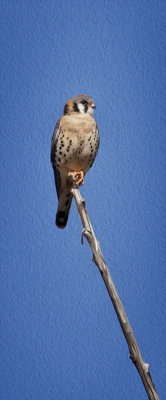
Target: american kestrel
[[74, 147]]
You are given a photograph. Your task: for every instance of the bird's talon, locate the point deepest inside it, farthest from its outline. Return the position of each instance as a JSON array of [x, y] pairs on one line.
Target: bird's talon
[[78, 177]]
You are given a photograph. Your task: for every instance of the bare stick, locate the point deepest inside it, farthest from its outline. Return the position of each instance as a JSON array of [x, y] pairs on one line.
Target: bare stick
[[135, 355]]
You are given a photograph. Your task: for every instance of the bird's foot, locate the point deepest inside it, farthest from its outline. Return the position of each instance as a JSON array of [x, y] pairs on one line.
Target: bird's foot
[[78, 177]]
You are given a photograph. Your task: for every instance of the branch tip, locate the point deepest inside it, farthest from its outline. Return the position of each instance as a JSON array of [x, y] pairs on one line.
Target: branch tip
[[82, 237]]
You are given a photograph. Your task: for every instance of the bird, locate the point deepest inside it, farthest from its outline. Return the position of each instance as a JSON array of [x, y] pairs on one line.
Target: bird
[[74, 146]]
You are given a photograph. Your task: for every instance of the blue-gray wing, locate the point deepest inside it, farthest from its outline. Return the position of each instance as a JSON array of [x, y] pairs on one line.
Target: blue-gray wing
[[54, 157]]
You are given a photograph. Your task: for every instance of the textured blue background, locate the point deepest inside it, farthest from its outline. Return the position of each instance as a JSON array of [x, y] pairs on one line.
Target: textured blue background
[[60, 338]]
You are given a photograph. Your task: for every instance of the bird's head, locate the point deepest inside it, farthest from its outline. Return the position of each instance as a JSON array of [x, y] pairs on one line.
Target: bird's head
[[80, 104]]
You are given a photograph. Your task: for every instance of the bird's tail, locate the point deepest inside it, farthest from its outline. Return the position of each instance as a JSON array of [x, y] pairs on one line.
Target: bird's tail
[[64, 205]]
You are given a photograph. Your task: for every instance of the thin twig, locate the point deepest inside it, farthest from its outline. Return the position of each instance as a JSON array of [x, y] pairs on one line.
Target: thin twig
[[135, 355]]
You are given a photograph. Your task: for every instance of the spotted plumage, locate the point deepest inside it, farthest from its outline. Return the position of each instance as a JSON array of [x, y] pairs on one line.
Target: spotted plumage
[[74, 147]]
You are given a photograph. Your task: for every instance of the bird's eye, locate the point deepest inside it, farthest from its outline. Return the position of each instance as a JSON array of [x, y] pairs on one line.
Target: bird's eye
[[84, 102]]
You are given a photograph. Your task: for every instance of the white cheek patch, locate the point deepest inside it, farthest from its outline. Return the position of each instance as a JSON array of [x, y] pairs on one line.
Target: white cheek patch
[[90, 110], [81, 108]]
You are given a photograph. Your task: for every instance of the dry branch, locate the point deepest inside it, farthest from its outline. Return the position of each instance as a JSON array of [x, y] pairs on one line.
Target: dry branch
[[135, 355]]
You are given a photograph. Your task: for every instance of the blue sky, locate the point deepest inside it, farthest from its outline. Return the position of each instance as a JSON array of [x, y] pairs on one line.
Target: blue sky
[[60, 338]]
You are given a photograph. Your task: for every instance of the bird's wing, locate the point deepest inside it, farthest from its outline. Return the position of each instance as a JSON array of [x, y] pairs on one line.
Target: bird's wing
[[53, 156]]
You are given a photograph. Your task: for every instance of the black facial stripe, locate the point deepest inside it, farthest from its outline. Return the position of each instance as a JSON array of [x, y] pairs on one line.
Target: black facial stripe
[[65, 109], [76, 109], [86, 107]]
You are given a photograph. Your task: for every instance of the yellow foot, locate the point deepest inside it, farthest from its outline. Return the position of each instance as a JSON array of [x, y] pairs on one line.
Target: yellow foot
[[78, 177]]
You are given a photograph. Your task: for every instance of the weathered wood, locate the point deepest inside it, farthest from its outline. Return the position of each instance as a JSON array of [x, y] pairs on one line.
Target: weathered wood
[[135, 355]]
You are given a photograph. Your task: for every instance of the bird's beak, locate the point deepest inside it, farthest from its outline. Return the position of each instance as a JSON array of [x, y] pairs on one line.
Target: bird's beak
[[93, 106]]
